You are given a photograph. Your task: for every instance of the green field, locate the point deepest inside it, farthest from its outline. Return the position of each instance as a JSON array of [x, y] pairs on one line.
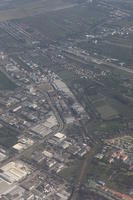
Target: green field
[[71, 22], [8, 137], [5, 83], [21, 9]]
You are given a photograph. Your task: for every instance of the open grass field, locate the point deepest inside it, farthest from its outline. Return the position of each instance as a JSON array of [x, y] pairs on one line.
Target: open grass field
[[21, 9], [8, 137], [5, 83], [74, 21]]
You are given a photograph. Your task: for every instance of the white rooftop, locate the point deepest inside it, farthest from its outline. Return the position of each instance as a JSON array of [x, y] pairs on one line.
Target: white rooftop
[[60, 135]]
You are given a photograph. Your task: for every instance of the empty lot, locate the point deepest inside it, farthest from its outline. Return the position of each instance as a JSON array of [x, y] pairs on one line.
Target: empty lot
[[18, 10]]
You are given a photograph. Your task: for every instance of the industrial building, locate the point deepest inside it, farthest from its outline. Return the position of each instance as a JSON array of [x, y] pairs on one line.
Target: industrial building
[[15, 171]]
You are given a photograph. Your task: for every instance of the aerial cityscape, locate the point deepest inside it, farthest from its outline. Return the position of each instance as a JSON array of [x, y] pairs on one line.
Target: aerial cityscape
[[66, 100]]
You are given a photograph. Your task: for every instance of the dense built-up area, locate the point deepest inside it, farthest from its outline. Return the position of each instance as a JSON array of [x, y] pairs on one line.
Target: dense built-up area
[[40, 141]]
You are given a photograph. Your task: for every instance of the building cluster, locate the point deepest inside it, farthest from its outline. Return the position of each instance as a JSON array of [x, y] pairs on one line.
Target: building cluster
[[3, 154], [37, 186], [68, 106], [11, 173], [38, 111], [58, 152], [118, 149]]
